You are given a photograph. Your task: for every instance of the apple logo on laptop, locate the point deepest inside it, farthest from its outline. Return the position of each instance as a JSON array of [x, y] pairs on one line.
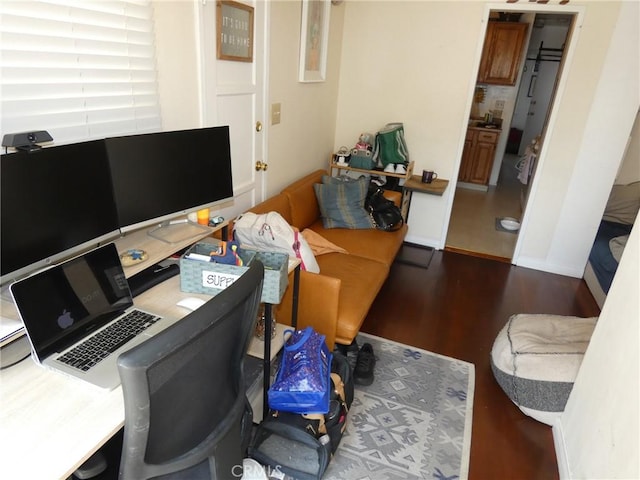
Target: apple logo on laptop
[[65, 320]]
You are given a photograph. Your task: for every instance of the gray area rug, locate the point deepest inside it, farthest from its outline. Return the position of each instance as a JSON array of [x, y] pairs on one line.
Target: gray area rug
[[413, 422]]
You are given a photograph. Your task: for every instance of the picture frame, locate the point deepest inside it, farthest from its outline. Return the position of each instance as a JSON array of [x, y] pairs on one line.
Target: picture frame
[[314, 40], [234, 34]]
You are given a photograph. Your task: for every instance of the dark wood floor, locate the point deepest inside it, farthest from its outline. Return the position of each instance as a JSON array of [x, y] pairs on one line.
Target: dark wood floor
[[456, 307]]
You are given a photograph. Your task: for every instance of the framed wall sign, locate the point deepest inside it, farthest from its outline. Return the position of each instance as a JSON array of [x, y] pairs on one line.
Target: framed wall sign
[[314, 40], [235, 31]]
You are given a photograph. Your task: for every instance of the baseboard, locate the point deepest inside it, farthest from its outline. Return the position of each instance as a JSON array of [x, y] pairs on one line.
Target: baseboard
[[423, 241], [473, 253], [543, 266], [561, 451]]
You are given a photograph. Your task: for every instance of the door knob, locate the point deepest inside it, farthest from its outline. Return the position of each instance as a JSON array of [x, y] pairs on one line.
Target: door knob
[[258, 126], [261, 166]]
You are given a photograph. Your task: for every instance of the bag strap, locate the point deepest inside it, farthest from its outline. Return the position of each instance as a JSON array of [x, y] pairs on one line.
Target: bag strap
[[306, 333], [296, 248], [338, 385]]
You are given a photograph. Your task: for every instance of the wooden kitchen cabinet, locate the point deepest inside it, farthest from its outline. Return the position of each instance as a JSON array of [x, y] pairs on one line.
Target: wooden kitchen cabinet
[[477, 157], [502, 53]]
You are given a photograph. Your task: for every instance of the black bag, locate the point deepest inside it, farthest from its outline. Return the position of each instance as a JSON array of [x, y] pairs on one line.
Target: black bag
[[384, 213], [302, 445]]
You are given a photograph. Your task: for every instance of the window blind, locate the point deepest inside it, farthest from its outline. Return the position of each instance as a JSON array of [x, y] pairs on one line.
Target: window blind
[[78, 69]]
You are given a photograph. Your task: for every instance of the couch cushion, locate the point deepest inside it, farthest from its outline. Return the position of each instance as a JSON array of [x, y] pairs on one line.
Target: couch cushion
[[372, 244], [302, 200], [342, 204], [361, 281], [278, 203]]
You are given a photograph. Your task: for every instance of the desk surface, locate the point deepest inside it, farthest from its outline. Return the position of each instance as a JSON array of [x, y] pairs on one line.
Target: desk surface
[[50, 423]]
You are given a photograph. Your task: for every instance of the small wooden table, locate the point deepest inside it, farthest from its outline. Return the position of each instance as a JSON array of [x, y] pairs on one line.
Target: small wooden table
[[415, 184]]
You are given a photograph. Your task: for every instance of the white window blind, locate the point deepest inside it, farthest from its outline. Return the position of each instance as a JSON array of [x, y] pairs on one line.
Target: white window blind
[[78, 69]]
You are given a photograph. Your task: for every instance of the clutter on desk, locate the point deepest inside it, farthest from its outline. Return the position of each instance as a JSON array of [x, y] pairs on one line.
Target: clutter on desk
[[201, 273], [223, 252], [133, 256], [215, 221]]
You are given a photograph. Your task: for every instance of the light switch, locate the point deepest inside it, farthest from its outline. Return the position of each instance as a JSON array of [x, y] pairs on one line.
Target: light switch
[[275, 113]]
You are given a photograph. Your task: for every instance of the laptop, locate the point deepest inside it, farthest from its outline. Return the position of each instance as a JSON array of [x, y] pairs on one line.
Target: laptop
[[69, 308]]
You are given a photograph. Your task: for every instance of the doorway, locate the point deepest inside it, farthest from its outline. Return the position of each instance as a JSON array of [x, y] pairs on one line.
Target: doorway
[[475, 225]]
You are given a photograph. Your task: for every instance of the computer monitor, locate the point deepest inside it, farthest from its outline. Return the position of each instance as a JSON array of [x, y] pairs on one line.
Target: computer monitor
[[55, 202], [158, 177]]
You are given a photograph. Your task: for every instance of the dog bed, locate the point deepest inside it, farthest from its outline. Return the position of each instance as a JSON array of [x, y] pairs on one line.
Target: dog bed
[[535, 360]]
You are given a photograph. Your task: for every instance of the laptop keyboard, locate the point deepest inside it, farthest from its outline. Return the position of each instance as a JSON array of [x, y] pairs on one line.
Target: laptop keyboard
[[95, 349]]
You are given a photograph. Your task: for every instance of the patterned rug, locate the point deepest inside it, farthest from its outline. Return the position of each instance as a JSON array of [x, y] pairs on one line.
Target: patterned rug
[[413, 422]]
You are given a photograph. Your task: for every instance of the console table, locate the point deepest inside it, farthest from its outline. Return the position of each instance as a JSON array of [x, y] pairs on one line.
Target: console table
[[414, 184]]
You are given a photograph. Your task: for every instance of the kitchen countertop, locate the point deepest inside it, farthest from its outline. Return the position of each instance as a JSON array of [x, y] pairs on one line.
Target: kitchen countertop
[[481, 126]]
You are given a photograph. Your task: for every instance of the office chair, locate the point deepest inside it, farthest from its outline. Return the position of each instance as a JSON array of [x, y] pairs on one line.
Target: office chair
[[186, 411]]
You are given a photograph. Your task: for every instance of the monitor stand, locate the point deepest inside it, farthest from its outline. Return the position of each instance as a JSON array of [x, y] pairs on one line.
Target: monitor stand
[[177, 231]]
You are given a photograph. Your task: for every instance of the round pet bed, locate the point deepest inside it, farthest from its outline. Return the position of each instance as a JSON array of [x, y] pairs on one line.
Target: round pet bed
[[535, 359]]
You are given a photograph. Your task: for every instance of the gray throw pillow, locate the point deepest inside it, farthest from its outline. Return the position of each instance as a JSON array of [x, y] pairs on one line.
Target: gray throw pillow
[[342, 203]]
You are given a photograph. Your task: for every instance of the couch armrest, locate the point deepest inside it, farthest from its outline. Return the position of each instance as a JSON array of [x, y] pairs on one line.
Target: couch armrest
[[317, 304]]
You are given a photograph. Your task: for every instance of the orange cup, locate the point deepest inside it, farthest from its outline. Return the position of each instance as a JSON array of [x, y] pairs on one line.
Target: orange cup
[[203, 216]]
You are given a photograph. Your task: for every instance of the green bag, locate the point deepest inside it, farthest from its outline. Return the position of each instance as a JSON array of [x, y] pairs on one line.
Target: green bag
[[390, 146]]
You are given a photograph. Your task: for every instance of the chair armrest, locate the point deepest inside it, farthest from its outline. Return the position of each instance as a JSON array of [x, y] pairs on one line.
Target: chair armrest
[[317, 304]]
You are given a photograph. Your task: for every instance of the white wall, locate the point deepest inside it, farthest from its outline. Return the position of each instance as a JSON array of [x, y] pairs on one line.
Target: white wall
[[416, 62], [597, 435], [630, 168], [571, 195], [303, 141]]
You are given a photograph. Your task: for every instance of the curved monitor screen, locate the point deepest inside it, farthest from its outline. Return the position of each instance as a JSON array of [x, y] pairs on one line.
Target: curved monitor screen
[[55, 202], [159, 176]]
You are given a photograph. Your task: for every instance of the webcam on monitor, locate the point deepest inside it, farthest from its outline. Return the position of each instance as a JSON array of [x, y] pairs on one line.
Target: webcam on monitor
[[26, 141]]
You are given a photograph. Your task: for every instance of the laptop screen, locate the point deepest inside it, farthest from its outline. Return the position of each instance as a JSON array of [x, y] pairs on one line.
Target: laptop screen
[[62, 304]]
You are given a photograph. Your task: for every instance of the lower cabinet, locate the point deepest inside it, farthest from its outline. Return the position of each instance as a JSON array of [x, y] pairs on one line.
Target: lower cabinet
[[477, 157]]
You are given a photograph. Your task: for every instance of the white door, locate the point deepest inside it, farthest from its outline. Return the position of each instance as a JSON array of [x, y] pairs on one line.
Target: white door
[[543, 91], [233, 93]]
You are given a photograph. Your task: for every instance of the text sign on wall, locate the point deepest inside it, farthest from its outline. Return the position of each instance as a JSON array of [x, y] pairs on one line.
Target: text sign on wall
[[235, 31]]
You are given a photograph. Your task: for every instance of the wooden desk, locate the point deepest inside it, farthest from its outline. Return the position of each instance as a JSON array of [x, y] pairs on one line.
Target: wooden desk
[[50, 423]]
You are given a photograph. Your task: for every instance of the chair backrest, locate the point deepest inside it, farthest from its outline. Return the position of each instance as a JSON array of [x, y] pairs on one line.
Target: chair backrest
[[184, 394]]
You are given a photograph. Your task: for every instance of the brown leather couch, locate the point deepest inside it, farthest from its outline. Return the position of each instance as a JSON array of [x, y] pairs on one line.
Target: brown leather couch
[[335, 301]]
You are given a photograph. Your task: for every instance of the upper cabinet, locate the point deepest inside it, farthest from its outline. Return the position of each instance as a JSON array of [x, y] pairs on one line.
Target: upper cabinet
[[502, 53]]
